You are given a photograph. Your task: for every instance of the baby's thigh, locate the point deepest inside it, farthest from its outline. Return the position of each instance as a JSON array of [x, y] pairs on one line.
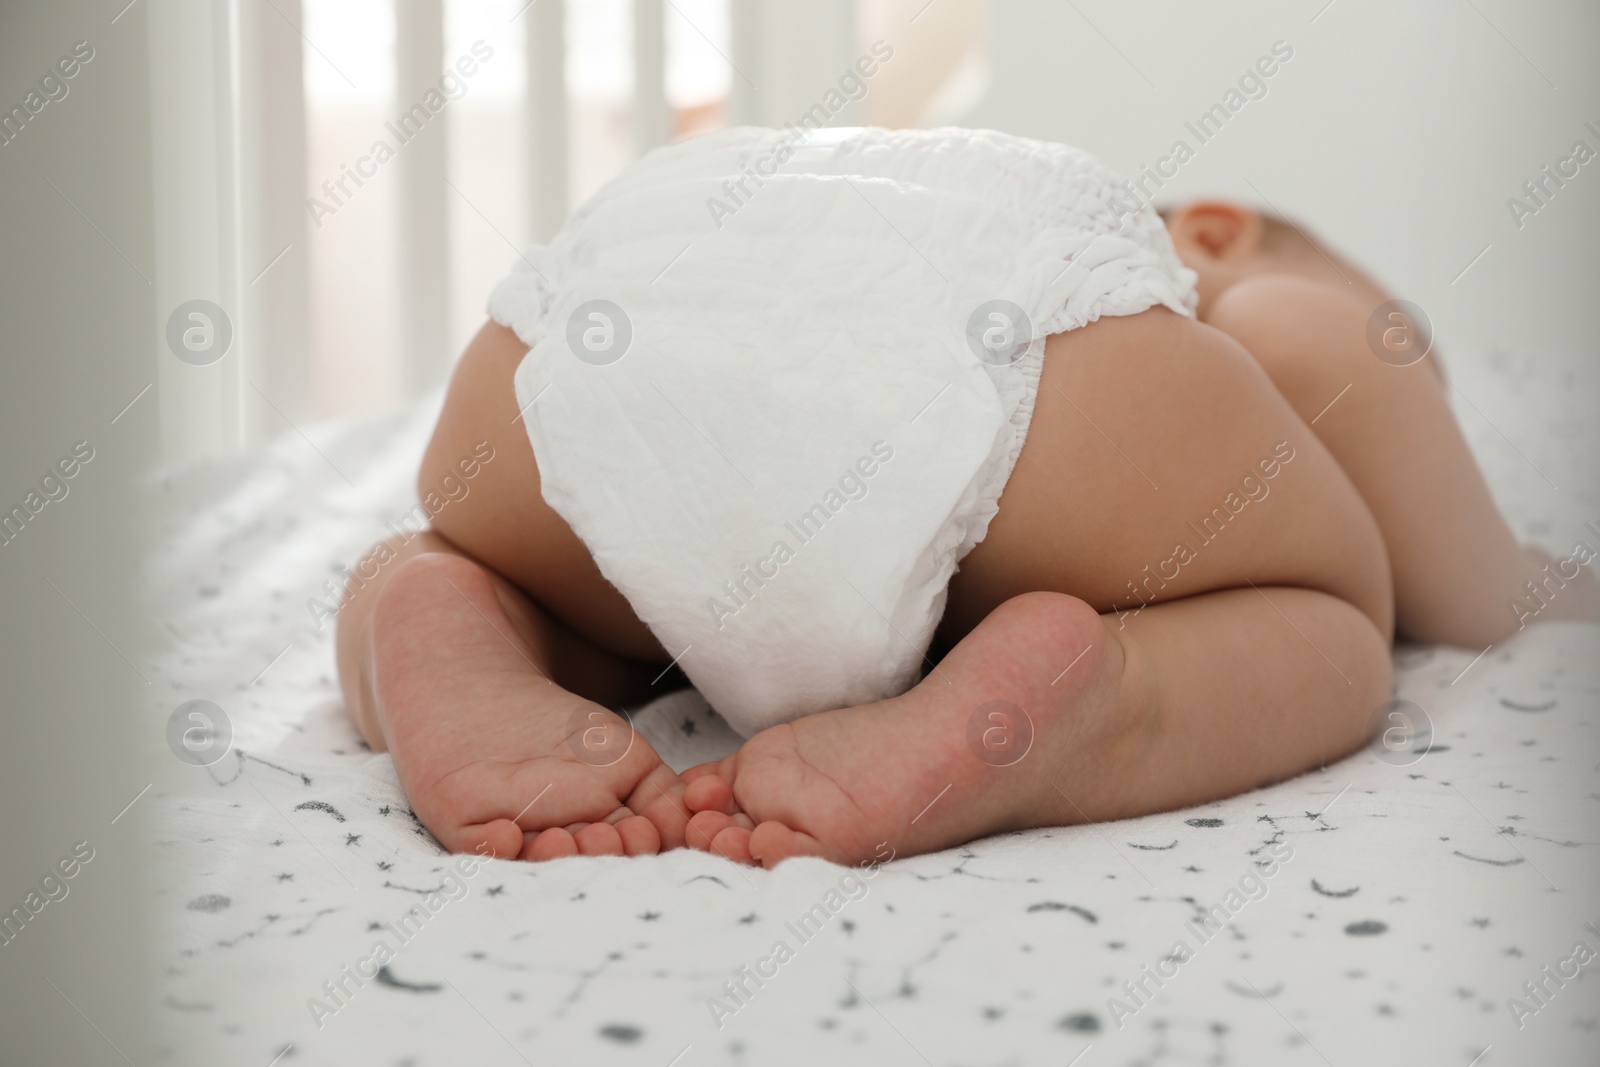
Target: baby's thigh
[[502, 521], [1161, 462]]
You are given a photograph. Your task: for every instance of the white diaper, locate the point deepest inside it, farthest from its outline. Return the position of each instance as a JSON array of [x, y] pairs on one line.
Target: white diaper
[[755, 388]]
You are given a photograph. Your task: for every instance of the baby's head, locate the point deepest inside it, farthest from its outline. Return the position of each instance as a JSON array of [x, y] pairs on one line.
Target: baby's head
[[1225, 243]]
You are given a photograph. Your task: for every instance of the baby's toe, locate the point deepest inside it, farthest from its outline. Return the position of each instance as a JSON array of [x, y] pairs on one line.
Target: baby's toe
[[668, 815], [500, 838], [772, 842], [704, 828], [598, 839], [733, 843], [553, 844], [639, 836], [710, 792]]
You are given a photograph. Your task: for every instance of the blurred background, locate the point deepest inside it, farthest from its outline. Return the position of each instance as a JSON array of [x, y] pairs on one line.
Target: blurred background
[[372, 300], [225, 150], [1399, 132]]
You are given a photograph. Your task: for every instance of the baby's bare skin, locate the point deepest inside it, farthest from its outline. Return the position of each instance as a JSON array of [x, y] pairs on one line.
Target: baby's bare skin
[[1265, 654]]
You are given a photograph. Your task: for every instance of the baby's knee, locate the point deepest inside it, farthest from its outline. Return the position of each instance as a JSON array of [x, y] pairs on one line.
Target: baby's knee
[[1307, 337]]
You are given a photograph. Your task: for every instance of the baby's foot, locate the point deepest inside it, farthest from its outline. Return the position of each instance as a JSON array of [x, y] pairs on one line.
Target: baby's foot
[[1013, 720], [494, 757]]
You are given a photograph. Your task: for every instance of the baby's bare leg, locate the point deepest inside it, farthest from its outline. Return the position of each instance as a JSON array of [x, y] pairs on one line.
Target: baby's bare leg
[[1262, 651], [486, 656], [1457, 565], [1249, 686], [1204, 698], [573, 663], [455, 672]]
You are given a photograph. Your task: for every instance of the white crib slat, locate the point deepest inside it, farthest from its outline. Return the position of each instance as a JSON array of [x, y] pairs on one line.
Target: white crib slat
[[424, 198], [193, 137], [274, 238], [652, 118], [545, 25]]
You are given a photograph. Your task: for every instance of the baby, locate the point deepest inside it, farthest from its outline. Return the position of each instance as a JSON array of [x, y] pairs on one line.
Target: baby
[[1215, 526]]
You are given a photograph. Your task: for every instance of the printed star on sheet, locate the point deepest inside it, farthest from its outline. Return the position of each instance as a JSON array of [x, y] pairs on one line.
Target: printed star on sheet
[[650, 916], [688, 727], [350, 839], [285, 877], [496, 890]]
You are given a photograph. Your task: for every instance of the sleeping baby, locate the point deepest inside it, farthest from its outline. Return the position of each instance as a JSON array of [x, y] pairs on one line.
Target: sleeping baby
[[974, 494]]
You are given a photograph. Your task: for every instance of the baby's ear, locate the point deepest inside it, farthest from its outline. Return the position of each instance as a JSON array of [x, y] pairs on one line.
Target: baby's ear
[[1215, 229]]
